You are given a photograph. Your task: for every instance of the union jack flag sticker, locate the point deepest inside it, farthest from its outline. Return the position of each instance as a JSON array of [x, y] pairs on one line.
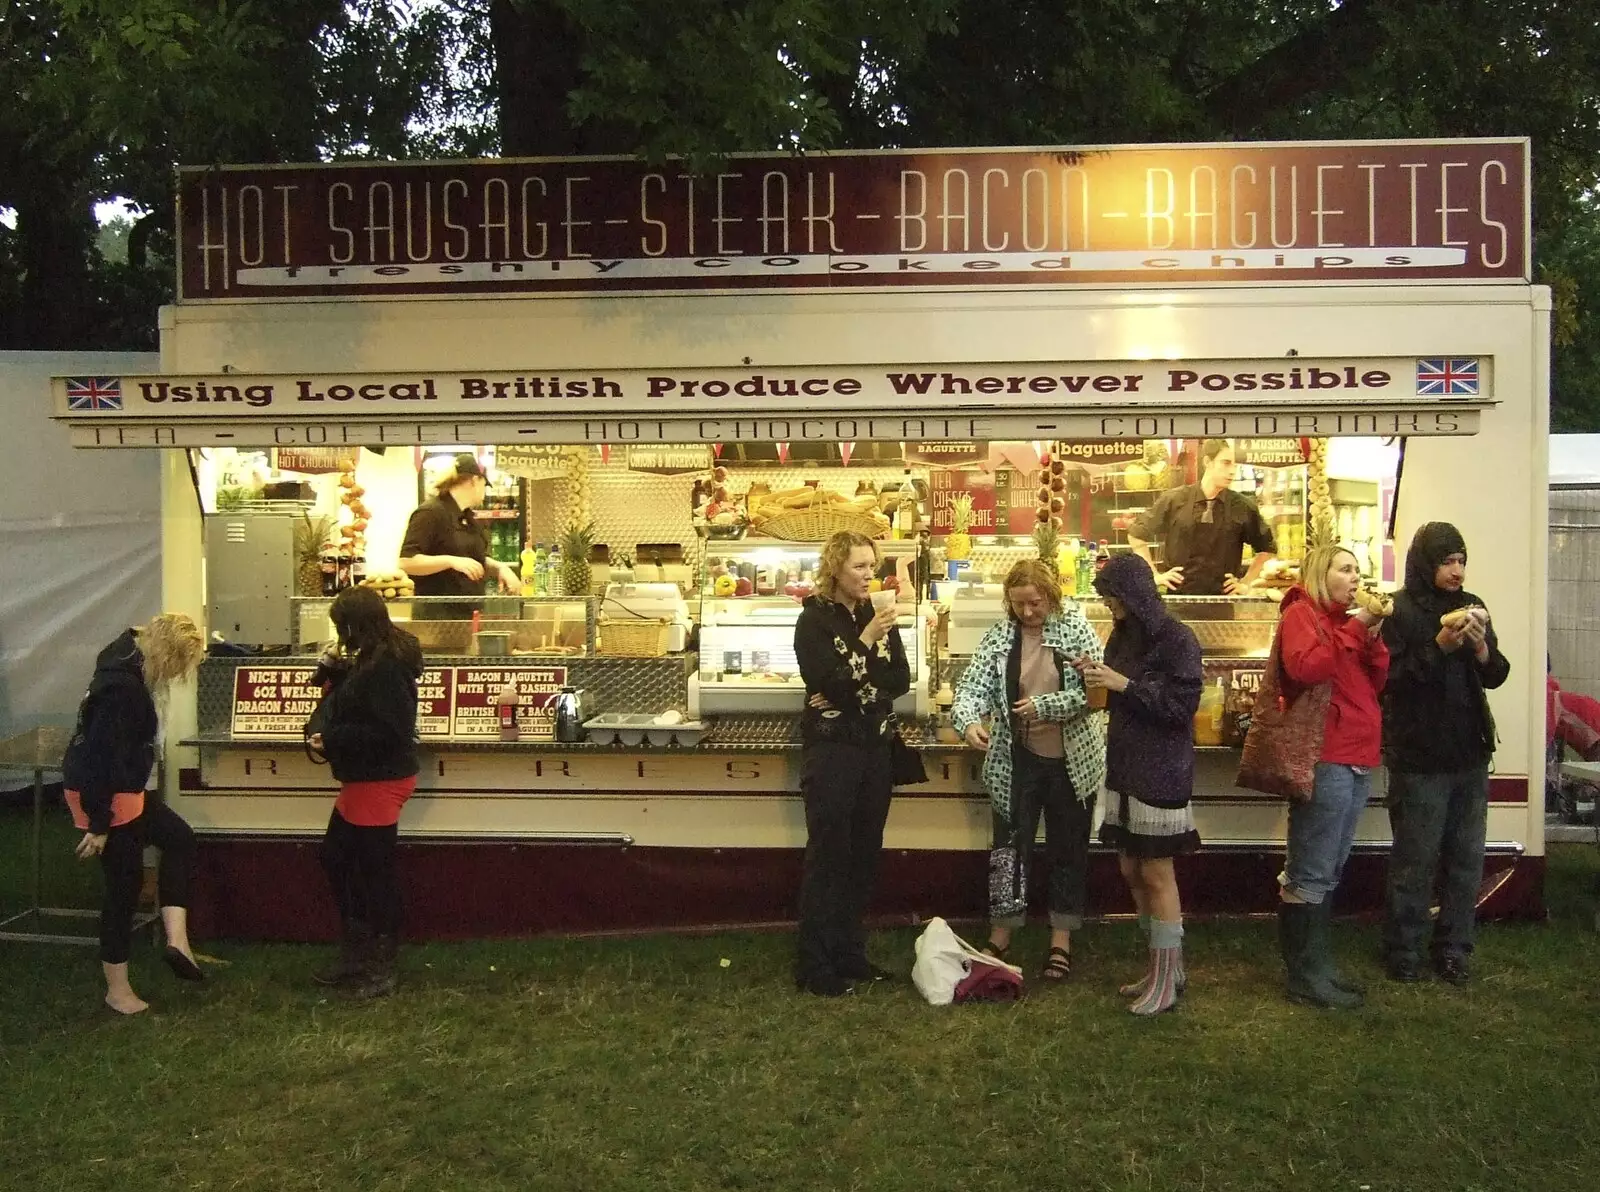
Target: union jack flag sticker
[[1447, 376], [94, 393]]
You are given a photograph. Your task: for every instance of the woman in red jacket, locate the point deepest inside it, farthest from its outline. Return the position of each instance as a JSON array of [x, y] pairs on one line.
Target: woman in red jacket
[[1325, 639]]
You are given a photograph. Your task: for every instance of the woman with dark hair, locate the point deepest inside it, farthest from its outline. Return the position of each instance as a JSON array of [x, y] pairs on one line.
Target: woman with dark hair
[[109, 774], [1153, 677], [369, 736], [1023, 705], [854, 666]]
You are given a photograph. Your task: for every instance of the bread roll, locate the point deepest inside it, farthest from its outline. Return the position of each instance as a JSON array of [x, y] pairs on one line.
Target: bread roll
[[1456, 618], [1375, 603]]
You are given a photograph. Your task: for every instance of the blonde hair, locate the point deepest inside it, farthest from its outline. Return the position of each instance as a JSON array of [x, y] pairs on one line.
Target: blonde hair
[[453, 479], [1314, 571], [835, 555], [172, 645], [1032, 573]]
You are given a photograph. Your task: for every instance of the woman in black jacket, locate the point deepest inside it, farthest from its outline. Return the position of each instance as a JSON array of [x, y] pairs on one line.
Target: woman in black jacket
[[109, 766], [854, 665], [1438, 740], [1153, 675], [368, 721]]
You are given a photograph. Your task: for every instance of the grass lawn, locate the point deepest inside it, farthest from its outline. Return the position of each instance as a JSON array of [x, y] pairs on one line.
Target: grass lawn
[[648, 1064]]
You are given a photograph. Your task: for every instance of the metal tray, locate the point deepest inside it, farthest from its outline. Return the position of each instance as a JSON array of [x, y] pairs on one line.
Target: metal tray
[[631, 729]]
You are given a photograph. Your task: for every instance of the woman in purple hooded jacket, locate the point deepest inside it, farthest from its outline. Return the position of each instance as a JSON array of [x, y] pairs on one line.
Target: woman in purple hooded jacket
[[1153, 678]]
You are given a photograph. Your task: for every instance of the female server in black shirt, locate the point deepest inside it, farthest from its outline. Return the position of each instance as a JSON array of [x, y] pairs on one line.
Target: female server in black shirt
[[854, 666]]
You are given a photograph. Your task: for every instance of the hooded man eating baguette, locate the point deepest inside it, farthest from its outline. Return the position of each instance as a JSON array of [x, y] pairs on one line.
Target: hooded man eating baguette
[[1438, 738]]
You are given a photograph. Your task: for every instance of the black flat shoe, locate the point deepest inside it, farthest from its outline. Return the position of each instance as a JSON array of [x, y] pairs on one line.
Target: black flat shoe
[[866, 971], [1407, 972], [182, 967], [1454, 970], [830, 985]]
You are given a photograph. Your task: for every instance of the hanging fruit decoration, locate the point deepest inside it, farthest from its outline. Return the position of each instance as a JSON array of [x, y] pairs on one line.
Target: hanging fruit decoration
[[1323, 530], [353, 516]]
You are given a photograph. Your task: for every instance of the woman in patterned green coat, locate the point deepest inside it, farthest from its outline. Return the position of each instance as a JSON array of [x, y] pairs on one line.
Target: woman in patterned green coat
[[1022, 702]]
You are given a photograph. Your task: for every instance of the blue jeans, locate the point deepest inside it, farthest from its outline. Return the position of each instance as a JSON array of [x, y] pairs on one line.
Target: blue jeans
[[1322, 831], [1439, 823]]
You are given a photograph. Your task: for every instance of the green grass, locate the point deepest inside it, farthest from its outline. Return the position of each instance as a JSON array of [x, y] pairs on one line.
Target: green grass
[[646, 1064]]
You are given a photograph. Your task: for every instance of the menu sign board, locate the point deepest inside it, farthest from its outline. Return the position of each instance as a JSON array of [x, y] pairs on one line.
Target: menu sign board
[[946, 484], [314, 460], [1399, 212], [537, 688], [273, 701], [532, 461], [1097, 453], [435, 702], [1017, 499], [1271, 453]]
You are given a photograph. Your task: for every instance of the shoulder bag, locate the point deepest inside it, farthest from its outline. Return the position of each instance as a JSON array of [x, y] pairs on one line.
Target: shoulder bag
[[1284, 741]]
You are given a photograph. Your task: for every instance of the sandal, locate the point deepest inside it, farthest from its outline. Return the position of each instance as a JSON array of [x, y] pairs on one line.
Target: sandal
[[1057, 965]]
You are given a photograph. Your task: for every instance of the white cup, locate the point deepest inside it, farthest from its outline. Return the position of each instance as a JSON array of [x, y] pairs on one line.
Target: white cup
[[884, 599]]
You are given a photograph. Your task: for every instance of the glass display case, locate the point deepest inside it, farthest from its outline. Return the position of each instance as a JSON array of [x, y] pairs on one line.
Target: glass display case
[[750, 597], [506, 626]]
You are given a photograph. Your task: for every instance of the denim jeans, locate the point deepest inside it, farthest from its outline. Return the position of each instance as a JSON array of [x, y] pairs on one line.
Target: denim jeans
[[1040, 784], [1439, 823], [1322, 831]]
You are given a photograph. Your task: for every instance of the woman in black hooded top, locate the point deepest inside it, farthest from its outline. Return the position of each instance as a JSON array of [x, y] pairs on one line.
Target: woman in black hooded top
[[1153, 674], [1438, 740]]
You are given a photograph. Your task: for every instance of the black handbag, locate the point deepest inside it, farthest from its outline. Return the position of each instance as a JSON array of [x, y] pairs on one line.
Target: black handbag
[[905, 763], [330, 670]]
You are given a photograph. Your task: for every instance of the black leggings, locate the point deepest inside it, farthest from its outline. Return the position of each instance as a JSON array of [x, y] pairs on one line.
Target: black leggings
[[122, 861], [360, 866]]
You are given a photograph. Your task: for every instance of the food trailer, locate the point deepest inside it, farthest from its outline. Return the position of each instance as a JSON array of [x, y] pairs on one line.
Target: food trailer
[[974, 356]]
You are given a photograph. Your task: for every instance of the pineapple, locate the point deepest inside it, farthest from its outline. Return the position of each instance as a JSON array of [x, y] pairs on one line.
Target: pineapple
[[958, 545], [576, 543], [309, 537], [1048, 541]]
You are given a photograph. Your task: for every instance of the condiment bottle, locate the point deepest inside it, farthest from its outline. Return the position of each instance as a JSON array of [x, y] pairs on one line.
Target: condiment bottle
[[505, 703]]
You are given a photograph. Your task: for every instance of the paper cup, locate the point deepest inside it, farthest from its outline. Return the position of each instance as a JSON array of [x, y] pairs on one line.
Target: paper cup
[[884, 599]]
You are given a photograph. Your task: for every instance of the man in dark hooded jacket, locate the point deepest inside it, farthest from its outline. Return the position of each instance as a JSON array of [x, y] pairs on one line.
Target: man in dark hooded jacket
[[1438, 738]]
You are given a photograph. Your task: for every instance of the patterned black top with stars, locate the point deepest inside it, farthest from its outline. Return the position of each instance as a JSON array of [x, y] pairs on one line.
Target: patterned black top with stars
[[860, 683]]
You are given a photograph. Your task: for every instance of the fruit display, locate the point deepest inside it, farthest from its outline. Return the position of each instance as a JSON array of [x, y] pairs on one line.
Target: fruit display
[[1136, 478], [352, 516], [958, 544], [310, 535], [391, 585], [1323, 531], [576, 542], [1047, 513]]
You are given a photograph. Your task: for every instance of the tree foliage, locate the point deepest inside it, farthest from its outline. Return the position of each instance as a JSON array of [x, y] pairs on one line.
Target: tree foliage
[[110, 94]]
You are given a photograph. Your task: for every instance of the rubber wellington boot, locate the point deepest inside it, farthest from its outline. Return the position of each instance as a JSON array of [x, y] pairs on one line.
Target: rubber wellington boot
[[351, 964], [1306, 960], [1335, 978], [379, 980]]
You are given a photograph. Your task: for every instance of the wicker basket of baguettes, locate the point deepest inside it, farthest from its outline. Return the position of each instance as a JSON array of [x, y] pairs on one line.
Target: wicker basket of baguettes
[[815, 514]]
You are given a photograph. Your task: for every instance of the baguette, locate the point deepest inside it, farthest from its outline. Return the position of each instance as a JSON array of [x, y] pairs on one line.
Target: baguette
[[1375, 603], [1457, 617]]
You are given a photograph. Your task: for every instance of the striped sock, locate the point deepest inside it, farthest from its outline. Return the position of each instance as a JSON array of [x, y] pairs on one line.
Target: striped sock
[[1137, 989], [1166, 965]]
